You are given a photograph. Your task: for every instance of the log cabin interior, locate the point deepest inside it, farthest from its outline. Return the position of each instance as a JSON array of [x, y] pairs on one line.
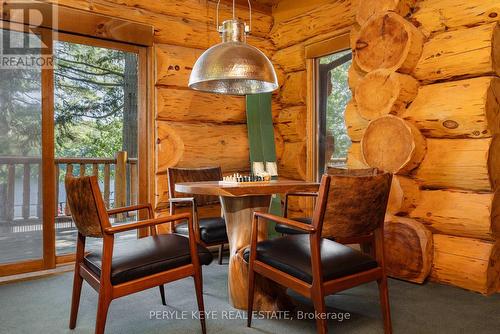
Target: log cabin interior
[[319, 146]]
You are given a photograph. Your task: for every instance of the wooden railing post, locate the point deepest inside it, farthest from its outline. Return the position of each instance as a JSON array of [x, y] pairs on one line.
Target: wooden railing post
[[121, 179], [69, 172], [107, 177], [11, 183], [3, 201], [26, 191], [39, 208], [58, 171], [133, 183]]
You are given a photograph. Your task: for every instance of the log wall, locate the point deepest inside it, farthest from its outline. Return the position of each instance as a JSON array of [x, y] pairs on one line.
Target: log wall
[[191, 129], [440, 79]]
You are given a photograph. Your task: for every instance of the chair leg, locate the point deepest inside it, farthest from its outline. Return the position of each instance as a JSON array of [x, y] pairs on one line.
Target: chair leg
[[162, 294], [75, 299], [102, 312], [384, 304], [221, 249], [198, 284], [320, 309], [251, 288]]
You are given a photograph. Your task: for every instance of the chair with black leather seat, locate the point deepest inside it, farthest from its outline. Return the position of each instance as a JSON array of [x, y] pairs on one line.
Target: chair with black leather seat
[[212, 230], [130, 266], [350, 209]]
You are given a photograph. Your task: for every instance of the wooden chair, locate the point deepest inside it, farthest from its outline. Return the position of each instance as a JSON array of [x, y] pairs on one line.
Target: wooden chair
[[131, 266], [284, 229], [211, 231], [350, 209]]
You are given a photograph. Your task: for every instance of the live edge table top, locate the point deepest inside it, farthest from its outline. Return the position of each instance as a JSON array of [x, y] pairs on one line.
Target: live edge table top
[[246, 189]]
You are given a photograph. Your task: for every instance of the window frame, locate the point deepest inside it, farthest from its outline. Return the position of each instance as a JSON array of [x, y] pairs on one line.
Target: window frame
[[313, 52]]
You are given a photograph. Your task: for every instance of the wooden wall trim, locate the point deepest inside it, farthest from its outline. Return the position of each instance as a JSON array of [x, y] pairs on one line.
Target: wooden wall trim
[[81, 22], [328, 46]]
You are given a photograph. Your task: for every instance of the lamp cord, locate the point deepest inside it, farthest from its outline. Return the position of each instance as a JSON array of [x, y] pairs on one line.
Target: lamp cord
[[234, 14]]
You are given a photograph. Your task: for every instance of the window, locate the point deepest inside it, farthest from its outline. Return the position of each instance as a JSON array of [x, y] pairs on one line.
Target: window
[[333, 94]]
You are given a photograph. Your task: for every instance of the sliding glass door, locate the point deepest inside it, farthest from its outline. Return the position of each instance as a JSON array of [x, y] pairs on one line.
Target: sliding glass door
[[68, 105]]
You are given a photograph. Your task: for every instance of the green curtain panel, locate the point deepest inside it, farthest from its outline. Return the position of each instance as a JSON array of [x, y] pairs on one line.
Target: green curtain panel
[[261, 139]]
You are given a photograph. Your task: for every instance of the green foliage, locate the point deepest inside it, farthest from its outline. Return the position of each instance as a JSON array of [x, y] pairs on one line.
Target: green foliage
[[336, 104], [88, 100]]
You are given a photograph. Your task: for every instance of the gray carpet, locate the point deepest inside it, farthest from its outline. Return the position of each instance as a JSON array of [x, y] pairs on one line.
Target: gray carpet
[[42, 306]]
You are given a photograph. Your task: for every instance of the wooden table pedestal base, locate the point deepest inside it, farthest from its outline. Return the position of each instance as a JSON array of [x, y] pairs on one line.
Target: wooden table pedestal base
[[238, 212]]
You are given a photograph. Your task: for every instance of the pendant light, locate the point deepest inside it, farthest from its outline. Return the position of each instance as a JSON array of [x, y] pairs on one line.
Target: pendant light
[[233, 67]]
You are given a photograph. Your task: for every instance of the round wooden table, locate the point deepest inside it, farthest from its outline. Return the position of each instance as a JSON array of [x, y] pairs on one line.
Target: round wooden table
[[239, 202]]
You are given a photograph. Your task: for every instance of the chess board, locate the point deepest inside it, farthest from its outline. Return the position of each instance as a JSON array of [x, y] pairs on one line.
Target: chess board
[[237, 183]]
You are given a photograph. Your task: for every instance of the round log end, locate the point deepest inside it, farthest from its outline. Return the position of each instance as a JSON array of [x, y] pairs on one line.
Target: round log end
[[392, 144], [170, 147], [408, 249], [388, 41], [383, 92]]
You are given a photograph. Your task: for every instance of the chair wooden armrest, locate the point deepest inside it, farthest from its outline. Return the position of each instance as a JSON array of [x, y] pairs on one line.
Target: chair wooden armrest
[[146, 223], [132, 208], [301, 226], [175, 200]]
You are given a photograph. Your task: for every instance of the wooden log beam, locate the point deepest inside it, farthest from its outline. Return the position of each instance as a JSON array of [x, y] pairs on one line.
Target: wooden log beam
[[169, 29], [390, 42], [462, 53], [356, 125], [294, 90], [471, 264], [292, 123], [392, 144], [292, 58], [459, 164], [458, 213], [183, 144], [203, 11], [314, 21], [292, 164], [185, 105], [383, 92], [472, 112], [404, 196], [174, 64], [369, 8], [408, 247], [433, 16]]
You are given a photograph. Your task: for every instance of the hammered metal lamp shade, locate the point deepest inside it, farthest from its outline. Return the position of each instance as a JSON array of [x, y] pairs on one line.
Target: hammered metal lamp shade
[[233, 67]]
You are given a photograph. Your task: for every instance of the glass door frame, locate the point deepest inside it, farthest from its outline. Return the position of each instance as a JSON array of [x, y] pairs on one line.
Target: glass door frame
[[142, 109], [49, 259]]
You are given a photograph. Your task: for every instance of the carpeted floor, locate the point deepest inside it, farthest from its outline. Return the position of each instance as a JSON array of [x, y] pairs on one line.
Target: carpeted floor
[[42, 306]]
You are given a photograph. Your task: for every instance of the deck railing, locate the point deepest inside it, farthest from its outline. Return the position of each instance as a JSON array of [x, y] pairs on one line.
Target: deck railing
[[115, 176]]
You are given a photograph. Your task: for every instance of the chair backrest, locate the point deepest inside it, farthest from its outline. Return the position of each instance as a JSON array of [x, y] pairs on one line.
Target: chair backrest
[[178, 175], [86, 205], [352, 203]]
